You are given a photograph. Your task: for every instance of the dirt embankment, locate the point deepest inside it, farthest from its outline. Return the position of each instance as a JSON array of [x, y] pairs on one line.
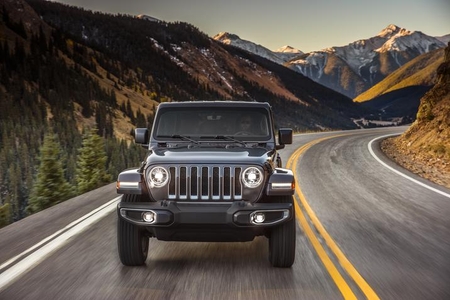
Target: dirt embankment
[[430, 167]]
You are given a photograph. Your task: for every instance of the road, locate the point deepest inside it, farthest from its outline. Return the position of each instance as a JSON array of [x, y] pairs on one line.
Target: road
[[364, 232]]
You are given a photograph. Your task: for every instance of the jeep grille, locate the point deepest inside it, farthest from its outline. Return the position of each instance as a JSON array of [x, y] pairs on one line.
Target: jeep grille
[[205, 183]]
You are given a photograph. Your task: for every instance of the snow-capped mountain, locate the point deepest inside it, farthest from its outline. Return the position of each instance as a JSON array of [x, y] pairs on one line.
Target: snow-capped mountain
[[288, 49], [286, 53], [353, 68], [356, 67], [279, 56]]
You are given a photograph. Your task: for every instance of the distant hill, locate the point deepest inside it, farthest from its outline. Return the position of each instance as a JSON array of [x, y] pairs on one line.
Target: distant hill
[[399, 94], [420, 71]]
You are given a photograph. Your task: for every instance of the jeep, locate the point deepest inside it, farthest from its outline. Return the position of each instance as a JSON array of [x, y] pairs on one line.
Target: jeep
[[212, 174]]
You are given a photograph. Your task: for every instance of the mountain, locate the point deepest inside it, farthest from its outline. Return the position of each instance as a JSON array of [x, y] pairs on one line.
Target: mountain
[[399, 94], [354, 68], [424, 147], [279, 56], [286, 53]]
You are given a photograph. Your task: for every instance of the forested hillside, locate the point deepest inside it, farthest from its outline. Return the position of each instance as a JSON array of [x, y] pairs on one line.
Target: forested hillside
[[43, 91], [177, 62], [65, 71]]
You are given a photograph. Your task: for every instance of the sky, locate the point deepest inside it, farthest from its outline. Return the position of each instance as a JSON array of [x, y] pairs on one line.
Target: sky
[[305, 25]]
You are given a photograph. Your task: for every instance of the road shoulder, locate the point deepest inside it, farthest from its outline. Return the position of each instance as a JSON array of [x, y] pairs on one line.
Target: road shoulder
[[431, 168]]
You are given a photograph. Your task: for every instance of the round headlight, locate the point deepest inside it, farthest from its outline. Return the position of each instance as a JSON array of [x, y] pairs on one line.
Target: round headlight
[[252, 177], [158, 177]]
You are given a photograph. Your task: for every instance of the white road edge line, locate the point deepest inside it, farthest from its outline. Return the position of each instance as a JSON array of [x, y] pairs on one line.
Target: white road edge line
[[74, 228], [398, 172], [10, 261]]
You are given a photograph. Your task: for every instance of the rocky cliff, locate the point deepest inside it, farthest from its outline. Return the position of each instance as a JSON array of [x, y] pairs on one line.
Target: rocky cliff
[[425, 146]]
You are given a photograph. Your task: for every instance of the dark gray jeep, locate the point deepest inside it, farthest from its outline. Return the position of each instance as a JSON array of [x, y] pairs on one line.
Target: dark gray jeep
[[212, 174]]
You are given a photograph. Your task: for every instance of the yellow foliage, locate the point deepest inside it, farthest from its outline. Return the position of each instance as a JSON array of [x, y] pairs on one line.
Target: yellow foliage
[[69, 43]]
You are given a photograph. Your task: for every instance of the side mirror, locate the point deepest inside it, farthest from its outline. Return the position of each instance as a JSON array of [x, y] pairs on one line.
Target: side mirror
[[141, 136], [285, 136]]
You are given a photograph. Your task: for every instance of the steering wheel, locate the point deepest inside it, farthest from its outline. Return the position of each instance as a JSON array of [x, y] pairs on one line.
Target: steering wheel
[[243, 133]]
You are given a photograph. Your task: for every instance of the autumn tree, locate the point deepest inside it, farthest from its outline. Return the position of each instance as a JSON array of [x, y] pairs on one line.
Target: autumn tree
[[50, 186], [91, 163]]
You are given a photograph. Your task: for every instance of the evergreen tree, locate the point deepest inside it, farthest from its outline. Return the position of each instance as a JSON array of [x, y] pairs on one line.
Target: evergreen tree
[[50, 186], [129, 111], [5, 215], [91, 163], [141, 121]]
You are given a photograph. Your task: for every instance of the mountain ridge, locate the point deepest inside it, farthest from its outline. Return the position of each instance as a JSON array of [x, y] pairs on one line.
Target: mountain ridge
[[398, 95], [356, 67], [279, 56], [371, 60], [407, 72]]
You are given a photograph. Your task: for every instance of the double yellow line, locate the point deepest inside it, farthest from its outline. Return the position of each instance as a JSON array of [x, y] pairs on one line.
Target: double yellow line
[[340, 282]]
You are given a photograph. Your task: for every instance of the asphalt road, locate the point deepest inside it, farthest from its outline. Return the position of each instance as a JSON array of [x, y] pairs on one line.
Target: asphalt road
[[364, 232]]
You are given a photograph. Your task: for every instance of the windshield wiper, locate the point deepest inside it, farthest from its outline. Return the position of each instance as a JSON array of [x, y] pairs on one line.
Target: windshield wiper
[[184, 138], [229, 138]]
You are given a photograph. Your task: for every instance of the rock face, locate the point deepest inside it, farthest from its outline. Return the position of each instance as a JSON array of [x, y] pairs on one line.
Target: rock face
[[425, 146]]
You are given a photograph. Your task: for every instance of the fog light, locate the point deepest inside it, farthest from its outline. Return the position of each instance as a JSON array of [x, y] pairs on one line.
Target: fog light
[[149, 216], [259, 217]]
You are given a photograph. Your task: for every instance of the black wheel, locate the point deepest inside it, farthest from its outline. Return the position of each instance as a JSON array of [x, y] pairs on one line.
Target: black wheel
[[282, 241], [131, 240]]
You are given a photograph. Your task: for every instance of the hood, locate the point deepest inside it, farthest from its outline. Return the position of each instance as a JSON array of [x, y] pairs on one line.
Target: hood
[[238, 155]]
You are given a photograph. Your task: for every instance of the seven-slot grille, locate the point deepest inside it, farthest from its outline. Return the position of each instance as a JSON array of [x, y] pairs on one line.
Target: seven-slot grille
[[205, 183]]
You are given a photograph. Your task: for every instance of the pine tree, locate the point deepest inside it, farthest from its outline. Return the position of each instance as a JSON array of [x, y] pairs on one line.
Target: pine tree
[[91, 163], [5, 215], [50, 186]]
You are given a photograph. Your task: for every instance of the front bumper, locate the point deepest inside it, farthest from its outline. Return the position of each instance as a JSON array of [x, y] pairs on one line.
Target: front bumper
[[176, 214]]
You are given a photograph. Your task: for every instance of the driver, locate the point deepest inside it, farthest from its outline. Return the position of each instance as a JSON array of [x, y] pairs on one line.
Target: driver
[[245, 125]]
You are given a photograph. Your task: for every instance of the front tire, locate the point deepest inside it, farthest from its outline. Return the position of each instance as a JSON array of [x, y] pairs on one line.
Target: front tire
[[131, 240], [282, 241]]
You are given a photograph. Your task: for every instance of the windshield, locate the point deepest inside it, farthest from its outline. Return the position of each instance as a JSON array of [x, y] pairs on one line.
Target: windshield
[[203, 123]]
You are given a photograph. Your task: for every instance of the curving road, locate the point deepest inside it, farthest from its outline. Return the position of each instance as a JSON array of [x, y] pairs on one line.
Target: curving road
[[365, 232]]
